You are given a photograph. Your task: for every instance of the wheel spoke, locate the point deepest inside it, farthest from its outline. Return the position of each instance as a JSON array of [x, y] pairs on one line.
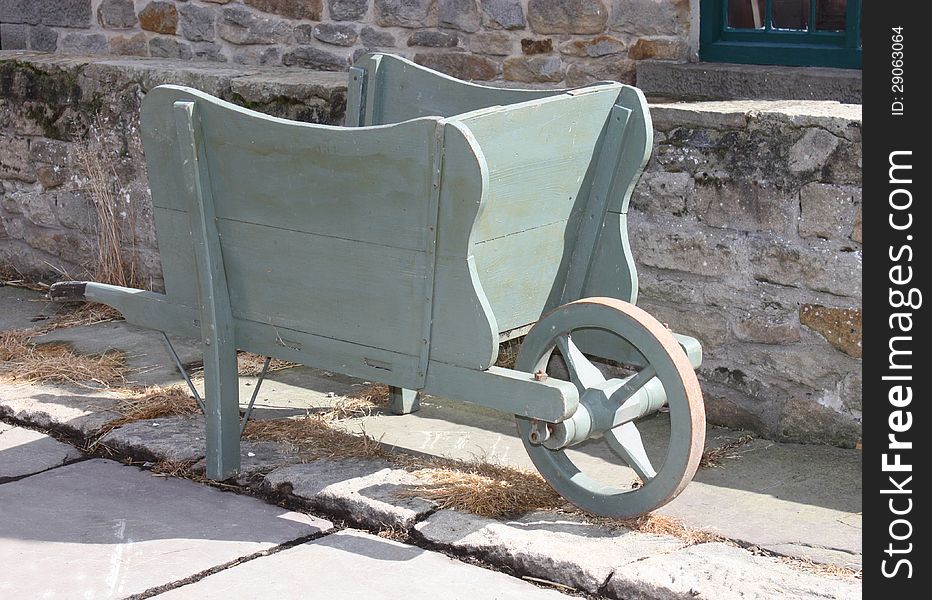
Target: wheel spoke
[[625, 440], [582, 372]]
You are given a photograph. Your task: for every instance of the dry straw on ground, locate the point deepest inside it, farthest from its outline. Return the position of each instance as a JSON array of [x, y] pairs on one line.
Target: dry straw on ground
[[151, 403], [24, 362], [713, 457]]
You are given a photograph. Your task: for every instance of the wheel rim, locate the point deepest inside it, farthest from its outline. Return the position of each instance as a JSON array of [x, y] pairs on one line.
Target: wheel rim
[[684, 399]]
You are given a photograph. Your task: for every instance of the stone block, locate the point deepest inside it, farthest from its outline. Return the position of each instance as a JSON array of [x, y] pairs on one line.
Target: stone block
[[169, 47], [365, 490], [661, 48], [502, 14], [26, 452], [494, 43], [664, 193], [460, 65], [242, 26], [348, 10], [819, 267], [433, 39], [14, 159], [196, 22], [651, 17], [405, 13], [601, 69], [129, 45], [532, 46], [377, 38], [665, 245], [72, 411], [64, 13], [459, 14], [744, 205], [22, 11], [828, 211], [43, 39], [117, 14], [811, 151], [176, 439], [84, 43], [567, 16], [533, 69], [856, 228], [841, 327], [13, 36], [767, 327], [333, 33], [160, 17], [311, 10], [602, 45], [310, 57], [550, 546]]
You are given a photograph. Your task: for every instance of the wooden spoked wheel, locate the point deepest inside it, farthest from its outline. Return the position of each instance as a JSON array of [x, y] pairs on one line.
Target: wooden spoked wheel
[[664, 371]]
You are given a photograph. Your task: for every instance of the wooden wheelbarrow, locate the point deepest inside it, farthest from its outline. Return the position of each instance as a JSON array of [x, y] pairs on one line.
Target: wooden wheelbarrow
[[444, 219]]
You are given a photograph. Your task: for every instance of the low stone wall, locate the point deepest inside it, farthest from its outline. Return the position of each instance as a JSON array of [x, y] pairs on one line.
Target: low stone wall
[[575, 41], [745, 226]]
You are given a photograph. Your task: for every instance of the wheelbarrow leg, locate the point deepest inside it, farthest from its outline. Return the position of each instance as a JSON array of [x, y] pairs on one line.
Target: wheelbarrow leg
[[402, 401]]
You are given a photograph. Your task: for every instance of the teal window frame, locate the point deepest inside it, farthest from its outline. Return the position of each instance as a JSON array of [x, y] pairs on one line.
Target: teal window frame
[[718, 42]]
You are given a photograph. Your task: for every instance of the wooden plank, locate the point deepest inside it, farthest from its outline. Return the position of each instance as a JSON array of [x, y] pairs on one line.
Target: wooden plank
[[639, 141], [157, 311], [506, 390], [612, 271], [404, 90], [221, 385], [541, 157], [329, 180], [355, 97]]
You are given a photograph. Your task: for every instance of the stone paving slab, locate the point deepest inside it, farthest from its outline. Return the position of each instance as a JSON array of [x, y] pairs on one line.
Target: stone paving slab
[[365, 490], [717, 571], [258, 458], [108, 531], [550, 546], [179, 439], [352, 564], [24, 452], [22, 308], [75, 411]]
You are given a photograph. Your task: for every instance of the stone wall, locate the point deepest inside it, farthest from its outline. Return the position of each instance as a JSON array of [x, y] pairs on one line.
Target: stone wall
[[745, 225], [551, 41]]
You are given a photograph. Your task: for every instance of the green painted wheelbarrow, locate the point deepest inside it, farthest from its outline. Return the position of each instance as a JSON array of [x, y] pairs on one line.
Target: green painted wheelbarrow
[[444, 219]]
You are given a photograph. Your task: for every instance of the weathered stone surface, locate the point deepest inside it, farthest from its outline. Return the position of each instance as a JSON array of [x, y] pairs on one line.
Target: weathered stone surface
[[743, 205], [812, 150], [169, 47], [347, 10], [657, 48], [197, 22], [365, 490], [25, 452], [609, 68], [43, 39], [841, 327], [13, 36], [820, 268], [664, 246], [242, 26], [503, 14], [84, 43], [533, 69], [329, 33], [651, 17], [176, 439], [258, 55], [603, 45], [158, 530], [459, 14], [767, 327], [567, 16], [531, 46], [14, 159], [63, 13], [376, 38], [116, 14], [663, 193], [433, 39], [78, 412], [160, 17], [717, 570], [129, 45], [495, 43], [828, 211], [460, 65], [314, 58], [211, 51], [405, 13], [856, 228], [550, 546], [311, 10]]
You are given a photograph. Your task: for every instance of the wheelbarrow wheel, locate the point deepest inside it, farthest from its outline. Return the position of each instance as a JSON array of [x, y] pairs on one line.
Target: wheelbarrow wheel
[[659, 355]]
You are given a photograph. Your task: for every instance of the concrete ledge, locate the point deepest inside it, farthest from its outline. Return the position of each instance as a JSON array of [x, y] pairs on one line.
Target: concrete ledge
[[720, 81]]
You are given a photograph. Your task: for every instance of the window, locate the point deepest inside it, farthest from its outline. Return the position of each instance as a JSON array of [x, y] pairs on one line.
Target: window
[[825, 33]]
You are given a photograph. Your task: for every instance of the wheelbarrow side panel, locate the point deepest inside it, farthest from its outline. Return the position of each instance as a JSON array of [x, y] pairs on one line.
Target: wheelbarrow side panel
[[385, 88], [324, 232]]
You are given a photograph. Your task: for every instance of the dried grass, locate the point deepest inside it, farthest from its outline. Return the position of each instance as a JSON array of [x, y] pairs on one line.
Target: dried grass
[[806, 565], [250, 365], [151, 403], [359, 404], [508, 353], [23, 361], [713, 457], [314, 438]]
